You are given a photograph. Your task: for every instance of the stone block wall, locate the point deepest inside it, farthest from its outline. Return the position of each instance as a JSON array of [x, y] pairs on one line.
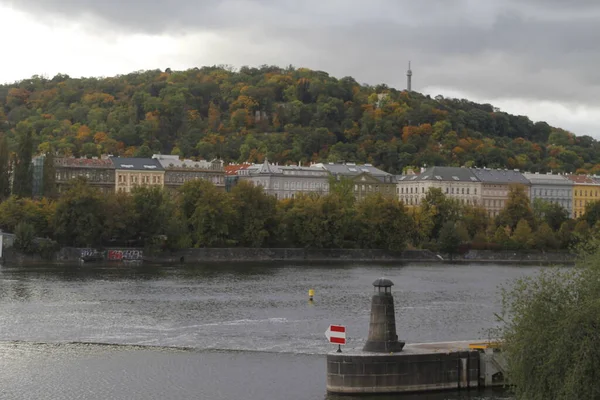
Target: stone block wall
[[402, 373]]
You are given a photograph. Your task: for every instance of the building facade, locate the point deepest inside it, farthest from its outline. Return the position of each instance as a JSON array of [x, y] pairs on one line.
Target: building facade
[[133, 172], [556, 189], [366, 178], [495, 185], [286, 182], [585, 191], [457, 183], [99, 172], [178, 172]]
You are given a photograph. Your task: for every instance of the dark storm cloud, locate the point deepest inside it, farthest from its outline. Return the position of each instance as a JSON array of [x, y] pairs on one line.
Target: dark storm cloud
[[533, 49]]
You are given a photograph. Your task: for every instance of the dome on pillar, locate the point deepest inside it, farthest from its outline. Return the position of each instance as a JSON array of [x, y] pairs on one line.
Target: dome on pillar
[[383, 282]]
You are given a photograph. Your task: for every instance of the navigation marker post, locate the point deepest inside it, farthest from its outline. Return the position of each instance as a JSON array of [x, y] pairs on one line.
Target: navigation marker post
[[336, 334]]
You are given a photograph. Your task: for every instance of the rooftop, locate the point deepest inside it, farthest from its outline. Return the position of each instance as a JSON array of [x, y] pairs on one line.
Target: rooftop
[[137, 164], [351, 169], [549, 178], [503, 176], [448, 174], [582, 179], [173, 161], [83, 162]]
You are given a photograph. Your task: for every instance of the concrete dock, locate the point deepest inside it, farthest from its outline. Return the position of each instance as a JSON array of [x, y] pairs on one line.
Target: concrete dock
[[388, 365]]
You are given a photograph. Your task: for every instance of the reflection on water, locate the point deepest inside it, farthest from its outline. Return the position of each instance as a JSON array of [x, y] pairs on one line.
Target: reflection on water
[[251, 330]]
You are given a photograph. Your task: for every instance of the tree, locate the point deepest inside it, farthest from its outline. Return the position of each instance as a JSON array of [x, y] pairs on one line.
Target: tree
[[254, 215], [157, 222], [449, 239], [545, 238], [592, 213], [24, 238], [382, 223], [23, 178], [79, 217], [49, 176], [441, 208], [208, 212], [522, 237], [517, 208], [549, 332], [4, 168], [551, 213], [501, 236]]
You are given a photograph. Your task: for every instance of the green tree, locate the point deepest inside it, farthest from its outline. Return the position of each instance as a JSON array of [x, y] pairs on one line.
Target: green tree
[[441, 208], [208, 212], [4, 168], [23, 178], [517, 208], [592, 213], [79, 217], [549, 332], [254, 215], [25, 238], [449, 239], [545, 239], [156, 219], [522, 237], [551, 213], [501, 236], [49, 176], [382, 223]]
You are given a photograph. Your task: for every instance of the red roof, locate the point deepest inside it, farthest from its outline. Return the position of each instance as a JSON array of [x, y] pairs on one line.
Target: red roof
[[83, 162], [581, 179], [232, 169]]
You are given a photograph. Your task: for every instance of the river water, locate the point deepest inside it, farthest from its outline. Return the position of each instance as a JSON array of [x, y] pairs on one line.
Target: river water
[[219, 331]]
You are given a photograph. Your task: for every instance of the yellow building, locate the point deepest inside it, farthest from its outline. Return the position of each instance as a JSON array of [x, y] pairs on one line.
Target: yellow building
[[132, 172], [585, 190]]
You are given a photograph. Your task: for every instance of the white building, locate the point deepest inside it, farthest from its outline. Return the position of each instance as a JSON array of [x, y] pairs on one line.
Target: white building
[[285, 182], [454, 182]]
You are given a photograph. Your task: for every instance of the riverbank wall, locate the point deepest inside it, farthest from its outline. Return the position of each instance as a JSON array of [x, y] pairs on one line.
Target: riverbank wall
[[71, 254]]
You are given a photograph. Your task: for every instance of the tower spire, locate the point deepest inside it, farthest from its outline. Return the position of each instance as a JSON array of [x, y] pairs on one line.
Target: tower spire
[[409, 79]]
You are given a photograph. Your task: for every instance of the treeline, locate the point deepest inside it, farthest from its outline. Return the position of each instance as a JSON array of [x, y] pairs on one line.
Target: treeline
[[287, 114], [200, 215]]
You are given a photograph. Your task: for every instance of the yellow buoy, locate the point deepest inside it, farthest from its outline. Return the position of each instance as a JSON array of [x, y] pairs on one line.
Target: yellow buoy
[[311, 294]]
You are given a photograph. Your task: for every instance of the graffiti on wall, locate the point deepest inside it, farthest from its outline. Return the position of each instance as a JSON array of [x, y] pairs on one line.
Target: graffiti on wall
[[125, 255], [88, 252]]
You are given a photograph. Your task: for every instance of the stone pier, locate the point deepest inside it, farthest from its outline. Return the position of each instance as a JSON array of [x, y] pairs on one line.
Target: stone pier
[[387, 365]]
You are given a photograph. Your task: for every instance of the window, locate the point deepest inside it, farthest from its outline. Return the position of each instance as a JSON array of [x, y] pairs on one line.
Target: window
[[468, 190], [463, 191], [475, 191], [452, 191], [423, 190]]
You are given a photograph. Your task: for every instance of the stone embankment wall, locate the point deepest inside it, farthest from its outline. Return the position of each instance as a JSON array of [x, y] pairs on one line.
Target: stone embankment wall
[[70, 254], [517, 257], [276, 254]]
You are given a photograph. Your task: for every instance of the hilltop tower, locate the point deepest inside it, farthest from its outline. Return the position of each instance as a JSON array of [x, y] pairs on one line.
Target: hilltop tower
[[409, 78]]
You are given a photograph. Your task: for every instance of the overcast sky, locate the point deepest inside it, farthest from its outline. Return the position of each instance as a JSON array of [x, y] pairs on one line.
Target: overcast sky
[[539, 58]]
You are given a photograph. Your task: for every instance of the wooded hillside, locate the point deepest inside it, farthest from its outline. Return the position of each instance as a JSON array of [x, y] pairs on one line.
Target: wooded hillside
[[290, 115]]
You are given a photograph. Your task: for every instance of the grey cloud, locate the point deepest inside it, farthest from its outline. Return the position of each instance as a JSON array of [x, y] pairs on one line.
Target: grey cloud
[[528, 49]]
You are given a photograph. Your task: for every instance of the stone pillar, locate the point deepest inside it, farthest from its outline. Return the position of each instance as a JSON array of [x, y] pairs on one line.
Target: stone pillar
[[382, 327]]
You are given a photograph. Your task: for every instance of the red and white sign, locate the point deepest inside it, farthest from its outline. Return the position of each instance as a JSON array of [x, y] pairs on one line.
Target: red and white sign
[[336, 334]]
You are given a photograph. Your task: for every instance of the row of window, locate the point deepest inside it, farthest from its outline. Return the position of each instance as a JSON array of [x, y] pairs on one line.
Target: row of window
[[448, 190], [145, 179], [552, 192], [94, 176], [415, 201], [182, 178], [584, 193], [371, 188]]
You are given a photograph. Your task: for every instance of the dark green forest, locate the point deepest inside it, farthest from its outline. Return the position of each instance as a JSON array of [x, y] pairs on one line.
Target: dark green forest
[[289, 115]]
